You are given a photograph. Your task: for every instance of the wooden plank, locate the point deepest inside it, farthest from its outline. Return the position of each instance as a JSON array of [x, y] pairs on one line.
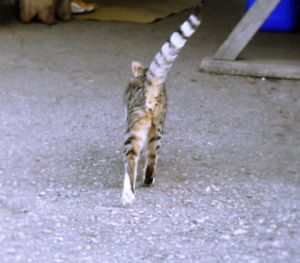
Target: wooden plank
[[257, 68], [245, 29]]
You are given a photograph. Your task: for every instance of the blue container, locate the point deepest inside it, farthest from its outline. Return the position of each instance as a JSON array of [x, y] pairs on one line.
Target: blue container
[[284, 18]]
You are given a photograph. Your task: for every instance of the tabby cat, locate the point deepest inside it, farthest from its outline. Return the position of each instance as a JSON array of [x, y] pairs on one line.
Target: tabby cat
[[146, 107]]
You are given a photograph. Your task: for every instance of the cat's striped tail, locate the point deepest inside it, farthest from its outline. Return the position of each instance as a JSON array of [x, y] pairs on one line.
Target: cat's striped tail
[[163, 60]]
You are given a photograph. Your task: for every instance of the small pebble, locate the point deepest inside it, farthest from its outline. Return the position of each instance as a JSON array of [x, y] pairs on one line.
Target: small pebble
[[239, 231], [276, 244], [208, 189], [225, 237], [200, 220], [42, 193]]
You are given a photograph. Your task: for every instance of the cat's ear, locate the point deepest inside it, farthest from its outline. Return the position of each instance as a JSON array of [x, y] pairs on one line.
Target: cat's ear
[[137, 68]]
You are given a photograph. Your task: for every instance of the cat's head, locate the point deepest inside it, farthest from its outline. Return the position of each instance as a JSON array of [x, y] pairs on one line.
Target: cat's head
[[138, 70], [151, 89]]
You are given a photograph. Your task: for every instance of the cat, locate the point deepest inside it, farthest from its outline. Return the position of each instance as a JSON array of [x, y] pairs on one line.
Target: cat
[[146, 107]]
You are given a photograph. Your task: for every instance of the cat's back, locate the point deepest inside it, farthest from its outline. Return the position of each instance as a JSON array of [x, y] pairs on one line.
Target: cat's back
[[138, 92], [134, 96]]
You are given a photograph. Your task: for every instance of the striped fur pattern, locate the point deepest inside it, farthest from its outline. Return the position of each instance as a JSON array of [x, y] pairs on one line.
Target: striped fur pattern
[[146, 107]]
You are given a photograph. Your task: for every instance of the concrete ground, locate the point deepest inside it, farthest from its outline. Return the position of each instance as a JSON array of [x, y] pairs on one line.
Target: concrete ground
[[228, 178]]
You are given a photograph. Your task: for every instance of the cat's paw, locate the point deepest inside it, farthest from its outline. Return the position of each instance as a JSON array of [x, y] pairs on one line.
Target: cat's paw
[[127, 197], [148, 181]]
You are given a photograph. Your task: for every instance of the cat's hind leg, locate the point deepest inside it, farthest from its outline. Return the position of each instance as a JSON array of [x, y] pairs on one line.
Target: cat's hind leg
[[134, 143], [153, 146]]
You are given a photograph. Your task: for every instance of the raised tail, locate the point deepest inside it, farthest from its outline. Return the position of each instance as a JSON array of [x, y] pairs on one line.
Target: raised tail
[[163, 60]]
